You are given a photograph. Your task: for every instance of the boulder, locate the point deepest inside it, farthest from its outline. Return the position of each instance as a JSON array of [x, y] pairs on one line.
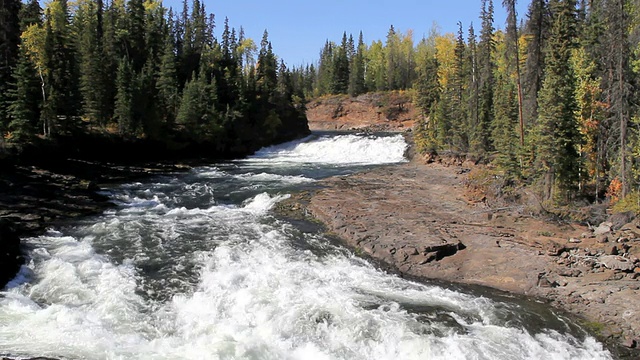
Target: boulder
[[630, 343], [10, 256], [602, 238], [619, 263], [619, 220], [602, 229]]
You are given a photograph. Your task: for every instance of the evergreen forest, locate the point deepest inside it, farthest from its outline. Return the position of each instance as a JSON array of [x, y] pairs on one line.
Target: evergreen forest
[[551, 99], [136, 71]]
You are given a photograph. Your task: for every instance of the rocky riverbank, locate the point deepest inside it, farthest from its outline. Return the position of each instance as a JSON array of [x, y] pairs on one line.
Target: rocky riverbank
[[415, 218]]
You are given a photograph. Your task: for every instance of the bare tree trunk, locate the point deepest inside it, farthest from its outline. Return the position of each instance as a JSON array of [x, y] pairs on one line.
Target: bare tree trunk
[[549, 180], [520, 108], [45, 131]]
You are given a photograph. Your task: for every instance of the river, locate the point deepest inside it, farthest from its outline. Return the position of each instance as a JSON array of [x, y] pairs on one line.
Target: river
[[194, 265]]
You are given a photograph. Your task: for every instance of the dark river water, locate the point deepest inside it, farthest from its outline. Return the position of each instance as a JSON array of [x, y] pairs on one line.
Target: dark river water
[[195, 266]]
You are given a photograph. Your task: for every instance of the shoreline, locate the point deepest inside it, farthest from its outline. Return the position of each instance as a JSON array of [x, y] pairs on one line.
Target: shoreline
[[413, 219]]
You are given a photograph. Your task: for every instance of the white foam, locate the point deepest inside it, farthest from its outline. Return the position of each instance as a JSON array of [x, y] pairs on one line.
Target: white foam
[[256, 298], [338, 150], [80, 305], [210, 172], [266, 177], [262, 203]]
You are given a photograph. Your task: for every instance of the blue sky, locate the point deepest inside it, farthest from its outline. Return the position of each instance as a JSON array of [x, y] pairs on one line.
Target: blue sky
[[298, 29]]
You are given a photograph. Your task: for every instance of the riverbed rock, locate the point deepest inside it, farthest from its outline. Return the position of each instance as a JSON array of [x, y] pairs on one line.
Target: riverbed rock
[[630, 343], [619, 220], [10, 256], [602, 238], [619, 263], [602, 229]]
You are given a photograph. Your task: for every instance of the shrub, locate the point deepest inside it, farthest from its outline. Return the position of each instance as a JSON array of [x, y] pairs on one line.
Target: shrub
[[630, 202]]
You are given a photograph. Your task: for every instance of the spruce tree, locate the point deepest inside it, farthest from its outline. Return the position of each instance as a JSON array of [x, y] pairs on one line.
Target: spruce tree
[[481, 143], [24, 109], [393, 60], [92, 87], [325, 69], [513, 55], [24, 98], [267, 72], [340, 78], [473, 88], [9, 40], [123, 108], [617, 84], [61, 106], [536, 29], [356, 71], [459, 123], [135, 42], [558, 161], [505, 132], [167, 84]]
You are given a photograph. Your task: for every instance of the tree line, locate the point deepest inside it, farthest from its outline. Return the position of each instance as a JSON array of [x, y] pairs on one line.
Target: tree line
[[137, 70], [551, 100]]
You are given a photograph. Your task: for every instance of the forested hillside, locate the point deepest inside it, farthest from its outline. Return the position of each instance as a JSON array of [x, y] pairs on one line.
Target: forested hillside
[[137, 71], [551, 100]]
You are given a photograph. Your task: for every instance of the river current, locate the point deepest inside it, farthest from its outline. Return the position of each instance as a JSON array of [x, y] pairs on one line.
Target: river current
[[194, 265]]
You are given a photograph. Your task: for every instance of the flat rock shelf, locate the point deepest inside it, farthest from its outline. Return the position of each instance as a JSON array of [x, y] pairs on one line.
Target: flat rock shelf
[[414, 217]]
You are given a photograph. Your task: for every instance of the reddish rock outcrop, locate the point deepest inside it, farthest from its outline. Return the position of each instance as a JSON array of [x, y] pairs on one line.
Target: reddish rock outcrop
[[387, 111]]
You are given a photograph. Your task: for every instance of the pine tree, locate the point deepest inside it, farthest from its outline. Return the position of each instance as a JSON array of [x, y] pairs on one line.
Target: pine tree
[[9, 40], [356, 71], [506, 128], [123, 112], [267, 72], [24, 109], [24, 99], [513, 53], [557, 158], [191, 110], [325, 69], [113, 50], [473, 89], [617, 84], [61, 106], [135, 41], [537, 28], [30, 13], [340, 78], [393, 60], [92, 86], [145, 102], [481, 143], [167, 84], [461, 129]]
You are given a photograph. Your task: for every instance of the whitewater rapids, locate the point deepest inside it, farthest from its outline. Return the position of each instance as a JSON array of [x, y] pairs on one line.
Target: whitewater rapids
[[195, 266]]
